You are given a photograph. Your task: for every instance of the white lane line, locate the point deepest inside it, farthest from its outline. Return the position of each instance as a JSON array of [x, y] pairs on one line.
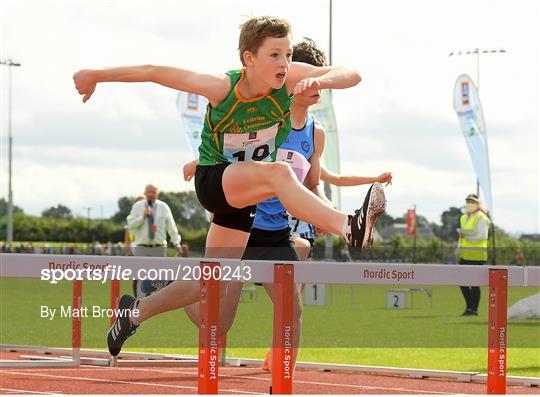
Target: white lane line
[[123, 382], [266, 378], [26, 391]]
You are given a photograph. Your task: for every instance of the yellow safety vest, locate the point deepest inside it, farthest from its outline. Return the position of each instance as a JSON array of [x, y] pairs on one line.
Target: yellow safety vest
[[469, 250]]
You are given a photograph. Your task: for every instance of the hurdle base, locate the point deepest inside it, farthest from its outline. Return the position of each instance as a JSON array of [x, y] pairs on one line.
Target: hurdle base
[[115, 362], [149, 358], [41, 363]]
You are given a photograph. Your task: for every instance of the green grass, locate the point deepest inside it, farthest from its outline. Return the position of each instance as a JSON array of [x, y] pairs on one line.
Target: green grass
[[354, 328]]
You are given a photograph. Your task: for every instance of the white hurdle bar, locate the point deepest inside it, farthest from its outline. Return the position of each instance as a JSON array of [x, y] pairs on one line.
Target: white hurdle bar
[[285, 276], [312, 272]]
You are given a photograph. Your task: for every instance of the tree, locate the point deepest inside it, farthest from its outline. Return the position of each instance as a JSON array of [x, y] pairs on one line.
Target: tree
[[4, 207], [450, 222], [124, 208], [58, 212], [185, 207], [384, 220]]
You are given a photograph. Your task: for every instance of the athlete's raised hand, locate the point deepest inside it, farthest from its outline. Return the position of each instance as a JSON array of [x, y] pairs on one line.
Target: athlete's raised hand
[[84, 83], [320, 232], [189, 170], [385, 177], [309, 86]]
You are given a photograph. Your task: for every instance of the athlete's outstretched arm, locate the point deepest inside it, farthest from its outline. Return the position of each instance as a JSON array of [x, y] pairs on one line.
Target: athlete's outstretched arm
[[353, 180], [213, 87], [302, 77], [313, 178]]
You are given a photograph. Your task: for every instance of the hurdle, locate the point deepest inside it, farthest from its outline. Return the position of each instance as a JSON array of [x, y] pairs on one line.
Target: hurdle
[[76, 330], [285, 275]]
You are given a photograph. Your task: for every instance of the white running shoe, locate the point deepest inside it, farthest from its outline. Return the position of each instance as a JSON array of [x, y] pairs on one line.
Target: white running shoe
[[364, 219]]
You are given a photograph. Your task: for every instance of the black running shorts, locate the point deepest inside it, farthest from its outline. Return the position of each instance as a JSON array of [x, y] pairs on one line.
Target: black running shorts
[[270, 245], [209, 189]]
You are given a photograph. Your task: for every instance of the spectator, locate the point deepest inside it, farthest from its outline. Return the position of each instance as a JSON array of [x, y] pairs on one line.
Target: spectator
[[472, 247], [519, 259], [150, 221], [344, 254], [128, 235], [108, 248], [98, 248], [185, 250]]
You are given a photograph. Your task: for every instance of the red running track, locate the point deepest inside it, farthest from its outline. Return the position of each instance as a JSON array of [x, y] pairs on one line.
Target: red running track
[[233, 380]]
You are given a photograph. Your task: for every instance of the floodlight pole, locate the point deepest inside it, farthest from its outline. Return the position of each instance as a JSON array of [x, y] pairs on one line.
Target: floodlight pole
[[9, 235], [328, 240]]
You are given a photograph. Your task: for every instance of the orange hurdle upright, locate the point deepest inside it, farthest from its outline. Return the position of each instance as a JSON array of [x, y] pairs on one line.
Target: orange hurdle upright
[[209, 331], [282, 351], [76, 322], [498, 330], [115, 299]]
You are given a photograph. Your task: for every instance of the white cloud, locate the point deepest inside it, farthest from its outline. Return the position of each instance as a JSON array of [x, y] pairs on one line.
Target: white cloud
[[92, 177]]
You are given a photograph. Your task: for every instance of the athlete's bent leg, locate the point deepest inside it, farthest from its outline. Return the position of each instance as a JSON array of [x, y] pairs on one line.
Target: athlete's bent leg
[[302, 247], [229, 298], [223, 242], [249, 183], [174, 296]]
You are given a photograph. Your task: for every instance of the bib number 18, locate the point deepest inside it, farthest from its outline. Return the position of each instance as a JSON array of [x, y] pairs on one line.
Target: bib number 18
[[258, 154]]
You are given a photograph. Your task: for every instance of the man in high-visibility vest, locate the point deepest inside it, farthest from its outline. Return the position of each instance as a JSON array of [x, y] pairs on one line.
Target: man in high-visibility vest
[[472, 246]]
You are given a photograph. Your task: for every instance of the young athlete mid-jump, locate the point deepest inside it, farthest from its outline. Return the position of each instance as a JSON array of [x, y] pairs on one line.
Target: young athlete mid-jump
[[248, 118]]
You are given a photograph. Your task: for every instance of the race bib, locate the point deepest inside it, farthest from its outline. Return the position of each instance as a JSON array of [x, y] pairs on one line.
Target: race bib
[[298, 163], [250, 146]]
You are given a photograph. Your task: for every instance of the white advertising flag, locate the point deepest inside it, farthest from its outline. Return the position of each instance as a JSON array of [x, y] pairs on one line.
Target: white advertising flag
[[471, 119], [323, 112], [192, 108]]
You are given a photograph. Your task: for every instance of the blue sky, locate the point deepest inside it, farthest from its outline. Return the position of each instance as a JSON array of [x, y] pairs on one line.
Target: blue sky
[[399, 119]]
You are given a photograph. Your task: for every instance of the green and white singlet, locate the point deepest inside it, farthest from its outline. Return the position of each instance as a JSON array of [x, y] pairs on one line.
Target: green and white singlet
[[241, 129]]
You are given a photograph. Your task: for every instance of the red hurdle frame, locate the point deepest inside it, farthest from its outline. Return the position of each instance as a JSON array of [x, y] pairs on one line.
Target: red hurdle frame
[[209, 332], [76, 322], [282, 351], [497, 331], [115, 299]]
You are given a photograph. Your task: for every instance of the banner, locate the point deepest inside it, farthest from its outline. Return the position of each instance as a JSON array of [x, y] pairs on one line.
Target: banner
[[323, 112], [471, 119], [192, 108], [411, 223]]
